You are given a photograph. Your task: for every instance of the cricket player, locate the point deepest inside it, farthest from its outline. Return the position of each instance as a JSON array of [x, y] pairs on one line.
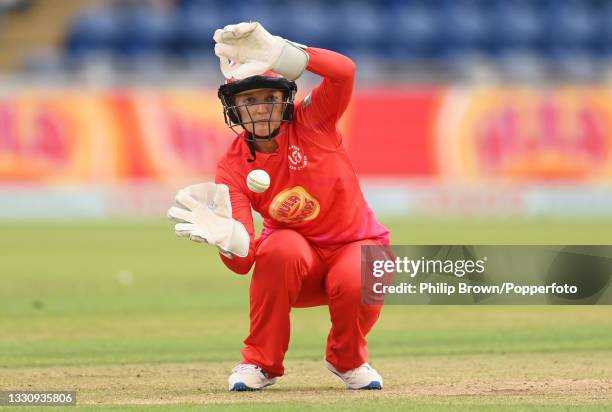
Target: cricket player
[[315, 216]]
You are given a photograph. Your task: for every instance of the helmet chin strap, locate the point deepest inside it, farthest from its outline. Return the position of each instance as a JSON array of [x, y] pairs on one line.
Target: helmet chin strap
[[252, 138], [271, 136]]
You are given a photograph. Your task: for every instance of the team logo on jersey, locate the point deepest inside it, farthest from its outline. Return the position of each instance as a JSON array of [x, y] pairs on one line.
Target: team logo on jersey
[[297, 160], [294, 205]]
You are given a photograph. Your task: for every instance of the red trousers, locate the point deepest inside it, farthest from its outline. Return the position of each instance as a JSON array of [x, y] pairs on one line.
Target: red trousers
[[291, 272]]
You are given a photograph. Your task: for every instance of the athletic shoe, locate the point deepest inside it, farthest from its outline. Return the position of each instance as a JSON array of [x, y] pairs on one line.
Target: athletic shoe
[[249, 378], [363, 377]]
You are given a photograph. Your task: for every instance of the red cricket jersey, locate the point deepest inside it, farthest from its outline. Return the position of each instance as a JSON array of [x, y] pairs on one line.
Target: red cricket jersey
[[313, 187]]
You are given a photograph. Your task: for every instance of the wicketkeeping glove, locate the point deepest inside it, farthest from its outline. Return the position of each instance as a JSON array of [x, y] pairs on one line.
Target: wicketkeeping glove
[[204, 214], [247, 49]]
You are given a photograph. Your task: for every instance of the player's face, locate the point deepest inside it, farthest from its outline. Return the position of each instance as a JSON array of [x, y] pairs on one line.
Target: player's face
[[263, 106]]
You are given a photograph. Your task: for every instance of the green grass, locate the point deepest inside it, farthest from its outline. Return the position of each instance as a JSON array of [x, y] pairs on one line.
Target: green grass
[[106, 294], [386, 405], [366, 406]]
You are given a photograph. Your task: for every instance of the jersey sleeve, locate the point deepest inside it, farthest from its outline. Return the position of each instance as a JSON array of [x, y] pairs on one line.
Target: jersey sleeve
[[323, 107], [241, 211]]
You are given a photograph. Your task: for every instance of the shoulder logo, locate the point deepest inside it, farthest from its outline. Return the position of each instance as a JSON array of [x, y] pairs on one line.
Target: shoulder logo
[[294, 205], [307, 101], [297, 160]]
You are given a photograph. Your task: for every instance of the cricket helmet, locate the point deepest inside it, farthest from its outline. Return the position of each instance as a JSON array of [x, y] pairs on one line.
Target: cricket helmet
[[269, 80]]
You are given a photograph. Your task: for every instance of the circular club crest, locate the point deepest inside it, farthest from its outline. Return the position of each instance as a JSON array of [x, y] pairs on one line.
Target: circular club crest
[[297, 159]]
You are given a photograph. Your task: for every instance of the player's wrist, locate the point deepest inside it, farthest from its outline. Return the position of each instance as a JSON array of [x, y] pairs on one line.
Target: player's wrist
[[239, 240], [292, 61]]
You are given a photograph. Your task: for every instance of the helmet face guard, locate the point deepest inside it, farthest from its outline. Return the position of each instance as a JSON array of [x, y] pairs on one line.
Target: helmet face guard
[[231, 112]]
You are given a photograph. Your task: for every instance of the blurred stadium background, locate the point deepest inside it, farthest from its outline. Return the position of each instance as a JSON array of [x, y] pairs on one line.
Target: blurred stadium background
[[472, 122], [462, 107]]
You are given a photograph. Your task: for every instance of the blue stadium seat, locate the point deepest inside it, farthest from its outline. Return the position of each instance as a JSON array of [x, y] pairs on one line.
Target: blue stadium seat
[[517, 24], [186, 4], [359, 27], [273, 15], [522, 64], [94, 31], [313, 23], [603, 43], [146, 32], [453, 32], [412, 30], [196, 25], [573, 63], [571, 23], [465, 27], [572, 28]]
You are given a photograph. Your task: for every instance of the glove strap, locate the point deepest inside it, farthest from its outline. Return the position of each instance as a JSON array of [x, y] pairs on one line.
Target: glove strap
[[292, 61], [225, 253]]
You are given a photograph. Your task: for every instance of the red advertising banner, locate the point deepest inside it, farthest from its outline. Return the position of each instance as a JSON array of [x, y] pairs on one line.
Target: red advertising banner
[[67, 136], [171, 135], [47, 136], [389, 131], [525, 134], [475, 134], [461, 134]]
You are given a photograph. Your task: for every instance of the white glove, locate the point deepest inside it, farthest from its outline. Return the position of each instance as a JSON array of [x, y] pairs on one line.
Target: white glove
[[247, 49], [205, 216]]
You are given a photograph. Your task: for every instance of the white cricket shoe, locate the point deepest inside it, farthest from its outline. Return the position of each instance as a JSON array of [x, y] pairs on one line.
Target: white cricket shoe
[[363, 377], [246, 377]]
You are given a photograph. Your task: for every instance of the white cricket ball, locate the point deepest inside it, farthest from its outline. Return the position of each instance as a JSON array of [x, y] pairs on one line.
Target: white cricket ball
[[258, 181]]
